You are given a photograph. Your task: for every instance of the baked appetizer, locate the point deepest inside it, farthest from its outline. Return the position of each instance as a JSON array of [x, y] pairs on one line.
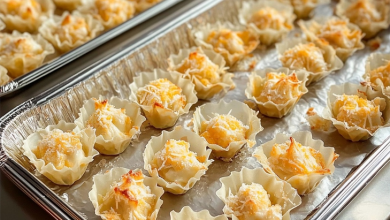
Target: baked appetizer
[[116, 123], [371, 16], [316, 58], [378, 72], [61, 152], [70, 30], [110, 13], [271, 20], [303, 8], [357, 111], [125, 194], [163, 96], [25, 15], [255, 194], [227, 127], [178, 158], [276, 91], [298, 159], [21, 53], [205, 68], [188, 214], [232, 42], [343, 36], [4, 78], [70, 5], [142, 5]]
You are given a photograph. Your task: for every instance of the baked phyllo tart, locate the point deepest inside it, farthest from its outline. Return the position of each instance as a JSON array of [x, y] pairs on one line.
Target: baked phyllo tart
[[255, 194], [125, 194], [163, 96], [316, 58], [271, 20], [205, 68], [227, 127], [70, 5], [232, 42], [116, 123], [178, 158], [303, 8], [378, 72], [110, 12], [357, 111], [61, 152], [21, 53], [188, 214], [142, 5], [4, 78], [342, 35], [70, 30], [276, 91], [25, 15], [298, 159], [371, 16]]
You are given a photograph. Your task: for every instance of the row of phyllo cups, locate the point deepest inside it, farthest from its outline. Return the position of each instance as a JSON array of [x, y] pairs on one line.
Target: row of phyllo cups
[[37, 33]]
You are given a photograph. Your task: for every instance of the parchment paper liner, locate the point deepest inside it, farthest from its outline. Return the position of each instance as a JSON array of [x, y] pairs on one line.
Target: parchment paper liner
[[303, 183], [15, 22], [48, 28], [267, 36], [142, 5], [19, 64], [161, 117], [188, 214], [70, 5], [118, 143], [201, 34], [67, 175], [332, 61], [373, 62], [90, 8], [311, 29], [212, 89], [102, 184], [4, 78], [270, 108], [369, 28], [240, 111], [157, 143], [304, 10], [280, 192], [354, 133]]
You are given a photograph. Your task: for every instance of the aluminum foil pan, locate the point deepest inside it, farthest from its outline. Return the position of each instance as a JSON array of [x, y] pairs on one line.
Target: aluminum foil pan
[[66, 58], [357, 165]]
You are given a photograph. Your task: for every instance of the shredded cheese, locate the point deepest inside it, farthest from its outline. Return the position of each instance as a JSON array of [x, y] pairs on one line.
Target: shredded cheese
[[12, 45], [382, 73], [225, 39], [72, 28], [26, 9], [116, 11], [363, 11], [268, 17]]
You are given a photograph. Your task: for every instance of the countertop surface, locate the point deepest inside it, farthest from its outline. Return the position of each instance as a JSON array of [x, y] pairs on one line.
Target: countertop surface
[[372, 203]]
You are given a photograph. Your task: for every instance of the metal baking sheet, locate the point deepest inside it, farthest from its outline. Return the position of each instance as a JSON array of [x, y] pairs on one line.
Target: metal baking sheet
[[66, 58], [357, 165]]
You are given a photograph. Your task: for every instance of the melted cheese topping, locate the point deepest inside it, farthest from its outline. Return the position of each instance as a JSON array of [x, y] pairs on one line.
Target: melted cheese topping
[[305, 56], [223, 129], [72, 29], [382, 73], [268, 17], [291, 158], [129, 199], [338, 34], [363, 11], [197, 64], [26, 45], [176, 163], [358, 111], [225, 39], [278, 88], [162, 93], [62, 149], [109, 121], [116, 10], [26, 9], [252, 202]]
